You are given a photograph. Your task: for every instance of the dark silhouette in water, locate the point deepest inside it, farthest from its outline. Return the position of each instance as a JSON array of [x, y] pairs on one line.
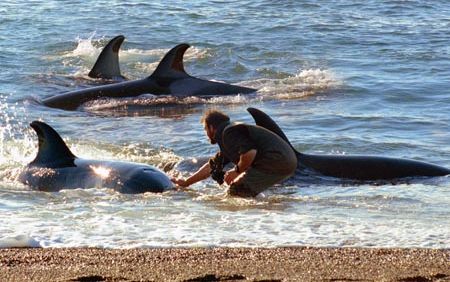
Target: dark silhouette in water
[[169, 78], [56, 167], [107, 64], [354, 167]]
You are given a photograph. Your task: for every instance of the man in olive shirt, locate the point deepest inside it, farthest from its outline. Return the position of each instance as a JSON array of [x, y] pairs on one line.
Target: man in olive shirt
[[261, 157]]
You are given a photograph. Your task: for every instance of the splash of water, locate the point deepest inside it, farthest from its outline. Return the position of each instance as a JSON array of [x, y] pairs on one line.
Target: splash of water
[[85, 48], [17, 142], [306, 83], [16, 139]]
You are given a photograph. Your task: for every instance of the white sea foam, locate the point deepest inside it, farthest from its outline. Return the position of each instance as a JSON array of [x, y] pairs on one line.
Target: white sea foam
[[203, 216], [19, 241], [307, 82]]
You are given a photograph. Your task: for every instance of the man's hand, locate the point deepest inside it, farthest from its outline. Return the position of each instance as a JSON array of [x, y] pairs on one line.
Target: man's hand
[[230, 176], [180, 182]]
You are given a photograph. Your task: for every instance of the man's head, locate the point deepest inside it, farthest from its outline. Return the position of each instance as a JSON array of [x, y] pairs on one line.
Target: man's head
[[211, 120]]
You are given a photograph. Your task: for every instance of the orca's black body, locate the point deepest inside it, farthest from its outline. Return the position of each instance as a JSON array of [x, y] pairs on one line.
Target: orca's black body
[[169, 78], [56, 167], [354, 167]]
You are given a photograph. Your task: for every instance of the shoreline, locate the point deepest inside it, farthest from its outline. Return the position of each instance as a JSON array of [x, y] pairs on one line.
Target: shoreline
[[225, 264]]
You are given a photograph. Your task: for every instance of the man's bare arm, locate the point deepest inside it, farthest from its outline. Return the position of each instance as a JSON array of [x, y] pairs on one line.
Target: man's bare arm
[[199, 175], [245, 161]]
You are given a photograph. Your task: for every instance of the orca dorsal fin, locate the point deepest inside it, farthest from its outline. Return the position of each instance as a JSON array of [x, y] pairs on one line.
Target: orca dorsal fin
[[263, 120], [53, 151], [172, 63], [107, 64]]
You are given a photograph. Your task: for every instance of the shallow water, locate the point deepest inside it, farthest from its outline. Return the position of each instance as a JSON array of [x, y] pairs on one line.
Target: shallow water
[[339, 78]]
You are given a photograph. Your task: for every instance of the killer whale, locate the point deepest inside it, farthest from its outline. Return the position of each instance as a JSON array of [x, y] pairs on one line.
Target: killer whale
[[107, 63], [169, 78], [56, 167], [364, 168]]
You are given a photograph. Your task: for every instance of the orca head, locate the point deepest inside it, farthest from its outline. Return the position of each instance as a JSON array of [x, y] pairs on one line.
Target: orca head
[[52, 150], [146, 179]]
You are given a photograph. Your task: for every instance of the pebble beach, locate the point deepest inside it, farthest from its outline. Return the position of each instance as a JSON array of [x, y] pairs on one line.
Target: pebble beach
[[225, 264]]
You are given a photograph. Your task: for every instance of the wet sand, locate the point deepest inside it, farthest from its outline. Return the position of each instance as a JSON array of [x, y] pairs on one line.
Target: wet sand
[[225, 264]]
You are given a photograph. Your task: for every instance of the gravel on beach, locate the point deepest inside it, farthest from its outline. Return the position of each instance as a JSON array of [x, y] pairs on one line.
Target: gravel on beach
[[224, 264]]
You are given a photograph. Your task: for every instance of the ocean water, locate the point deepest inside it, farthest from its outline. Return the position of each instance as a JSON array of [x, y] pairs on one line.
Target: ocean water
[[340, 77]]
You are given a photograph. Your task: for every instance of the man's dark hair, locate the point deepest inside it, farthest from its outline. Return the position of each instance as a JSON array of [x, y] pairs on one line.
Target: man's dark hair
[[214, 118]]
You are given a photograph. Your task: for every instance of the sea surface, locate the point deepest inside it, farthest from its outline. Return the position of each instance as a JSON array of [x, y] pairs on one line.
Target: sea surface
[[340, 77]]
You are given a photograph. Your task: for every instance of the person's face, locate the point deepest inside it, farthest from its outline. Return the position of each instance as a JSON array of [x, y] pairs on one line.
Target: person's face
[[210, 132]]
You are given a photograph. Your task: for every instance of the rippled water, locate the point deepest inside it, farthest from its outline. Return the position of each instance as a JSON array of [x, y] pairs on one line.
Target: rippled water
[[345, 77]]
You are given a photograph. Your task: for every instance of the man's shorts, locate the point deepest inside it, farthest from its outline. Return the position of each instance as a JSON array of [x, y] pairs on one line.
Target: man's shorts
[[254, 182]]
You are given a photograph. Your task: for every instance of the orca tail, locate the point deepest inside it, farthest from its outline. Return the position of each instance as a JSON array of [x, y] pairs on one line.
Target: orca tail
[[172, 63], [53, 151], [107, 64], [263, 120]]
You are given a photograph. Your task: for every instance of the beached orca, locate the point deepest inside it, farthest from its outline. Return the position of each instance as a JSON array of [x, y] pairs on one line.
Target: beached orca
[[107, 64], [354, 167], [56, 167], [169, 78]]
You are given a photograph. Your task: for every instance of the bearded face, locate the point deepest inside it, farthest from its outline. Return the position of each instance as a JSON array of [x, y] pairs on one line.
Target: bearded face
[[210, 132]]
